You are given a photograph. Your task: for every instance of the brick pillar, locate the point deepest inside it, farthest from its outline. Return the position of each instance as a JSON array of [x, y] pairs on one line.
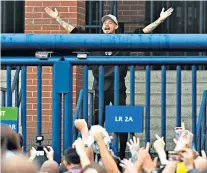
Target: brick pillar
[[37, 21]]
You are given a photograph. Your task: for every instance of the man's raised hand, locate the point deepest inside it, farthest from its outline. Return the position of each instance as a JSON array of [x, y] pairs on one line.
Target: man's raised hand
[[51, 13], [165, 14]]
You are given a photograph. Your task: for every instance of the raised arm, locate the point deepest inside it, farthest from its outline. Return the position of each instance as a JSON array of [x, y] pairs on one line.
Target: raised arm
[[163, 15], [54, 14]]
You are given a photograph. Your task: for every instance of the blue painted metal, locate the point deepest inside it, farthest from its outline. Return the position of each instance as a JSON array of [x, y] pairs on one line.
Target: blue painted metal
[[3, 99], [141, 42], [202, 113], [56, 119], [163, 103], [116, 101], [147, 105], [8, 86], [39, 100], [178, 97], [194, 102], [24, 106], [68, 114], [101, 94], [16, 78], [115, 60], [85, 91], [17, 103], [77, 111]]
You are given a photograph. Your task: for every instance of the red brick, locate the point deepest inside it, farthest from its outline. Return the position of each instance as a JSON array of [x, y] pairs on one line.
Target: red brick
[[68, 15], [59, 32], [51, 3], [42, 21], [29, 9], [45, 106], [47, 112], [45, 118], [46, 94], [31, 112], [29, 106], [47, 75], [131, 13], [31, 124], [33, 3], [73, 9], [41, 32], [33, 15], [31, 100], [33, 27], [31, 88], [50, 27], [63, 9], [69, 3], [46, 88], [39, 9]]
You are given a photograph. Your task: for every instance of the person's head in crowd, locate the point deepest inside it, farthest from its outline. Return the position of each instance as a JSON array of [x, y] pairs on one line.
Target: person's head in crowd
[[71, 159], [9, 139], [110, 24], [18, 164], [94, 168], [62, 169], [50, 166]]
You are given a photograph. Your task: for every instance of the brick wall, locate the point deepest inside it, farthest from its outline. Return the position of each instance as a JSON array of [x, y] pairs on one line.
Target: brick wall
[[37, 21]]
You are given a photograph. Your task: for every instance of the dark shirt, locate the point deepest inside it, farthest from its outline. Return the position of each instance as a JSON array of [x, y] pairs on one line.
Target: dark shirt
[[108, 69]]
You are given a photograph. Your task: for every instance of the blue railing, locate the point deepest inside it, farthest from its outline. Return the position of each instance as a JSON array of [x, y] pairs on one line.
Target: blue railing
[[62, 73], [201, 132], [79, 110]]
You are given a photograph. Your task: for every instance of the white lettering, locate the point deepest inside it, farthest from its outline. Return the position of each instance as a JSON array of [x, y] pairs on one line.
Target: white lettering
[[2, 113], [128, 119], [117, 119]]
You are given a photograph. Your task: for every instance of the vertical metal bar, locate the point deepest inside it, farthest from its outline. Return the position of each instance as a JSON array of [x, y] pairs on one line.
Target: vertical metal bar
[[68, 115], [116, 100], [101, 7], [204, 129], [163, 103], [194, 102], [132, 85], [24, 106], [91, 110], [147, 105], [115, 8], [90, 14], [201, 20], [132, 89], [151, 16], [3, 99], [56, 121], [101, 95], [8, 86], [39, 100], [17, 102], [85, 91], [178, 98]]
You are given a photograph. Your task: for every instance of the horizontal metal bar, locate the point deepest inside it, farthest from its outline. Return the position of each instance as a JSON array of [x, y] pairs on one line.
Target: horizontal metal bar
[[143, 42], [114, 60]]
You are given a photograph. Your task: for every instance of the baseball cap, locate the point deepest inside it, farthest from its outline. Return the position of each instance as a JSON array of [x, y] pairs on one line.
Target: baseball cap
[[109, 16]]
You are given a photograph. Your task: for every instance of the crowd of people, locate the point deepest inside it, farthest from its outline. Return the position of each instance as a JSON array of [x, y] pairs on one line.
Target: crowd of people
[[92, 153]]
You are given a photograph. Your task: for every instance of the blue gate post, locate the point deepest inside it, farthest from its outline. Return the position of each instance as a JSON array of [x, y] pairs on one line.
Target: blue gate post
[[8, 86], [62, 84], [178, 98]]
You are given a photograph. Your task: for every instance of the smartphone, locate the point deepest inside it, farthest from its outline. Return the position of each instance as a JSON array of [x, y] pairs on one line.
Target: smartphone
[[174, 156]]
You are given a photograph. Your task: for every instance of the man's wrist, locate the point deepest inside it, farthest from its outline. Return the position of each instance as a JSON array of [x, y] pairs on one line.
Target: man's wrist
[[160, 20]]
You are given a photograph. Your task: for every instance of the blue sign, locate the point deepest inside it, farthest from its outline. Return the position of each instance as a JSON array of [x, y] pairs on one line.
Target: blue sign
[[124, 119]]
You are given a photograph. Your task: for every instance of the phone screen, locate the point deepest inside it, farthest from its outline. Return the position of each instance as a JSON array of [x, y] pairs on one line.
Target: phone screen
[[174, 156]]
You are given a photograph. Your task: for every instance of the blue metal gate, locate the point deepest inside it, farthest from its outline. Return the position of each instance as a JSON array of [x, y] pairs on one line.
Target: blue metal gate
[[63, 65]]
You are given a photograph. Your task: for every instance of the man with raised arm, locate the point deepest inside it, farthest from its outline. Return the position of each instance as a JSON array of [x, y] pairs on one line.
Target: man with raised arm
[[109, 26]]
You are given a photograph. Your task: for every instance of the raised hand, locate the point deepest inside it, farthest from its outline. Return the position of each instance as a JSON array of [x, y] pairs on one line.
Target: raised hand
[[159, 144], [133, 145], [79, 146], [128, 165], [81, 124], [51, 13], [49, 153], [165, 14]]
